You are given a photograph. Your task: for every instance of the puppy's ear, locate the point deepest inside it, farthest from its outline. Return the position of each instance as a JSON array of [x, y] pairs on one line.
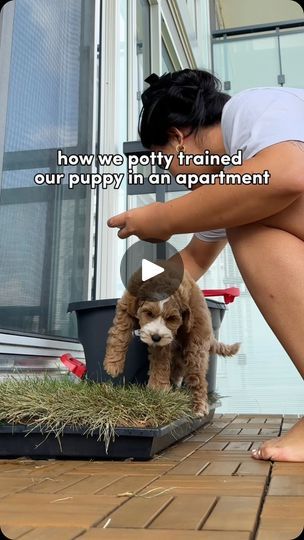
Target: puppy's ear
[[187, 320], [132, 304], [120, 334]]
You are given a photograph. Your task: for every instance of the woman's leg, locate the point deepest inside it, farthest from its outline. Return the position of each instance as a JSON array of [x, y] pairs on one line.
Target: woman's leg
[[271, 261]]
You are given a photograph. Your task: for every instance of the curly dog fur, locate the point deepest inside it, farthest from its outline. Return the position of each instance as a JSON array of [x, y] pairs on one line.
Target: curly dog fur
[[177, 330]]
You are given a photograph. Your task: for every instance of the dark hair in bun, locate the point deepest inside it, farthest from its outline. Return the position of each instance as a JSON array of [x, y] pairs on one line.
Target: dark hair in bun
[[189, 98]]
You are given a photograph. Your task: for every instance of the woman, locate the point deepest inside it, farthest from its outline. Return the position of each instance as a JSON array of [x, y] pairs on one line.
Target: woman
[[264, 224]]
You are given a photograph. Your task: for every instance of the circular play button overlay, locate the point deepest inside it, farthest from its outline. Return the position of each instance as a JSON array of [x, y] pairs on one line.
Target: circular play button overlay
[[152, 272]]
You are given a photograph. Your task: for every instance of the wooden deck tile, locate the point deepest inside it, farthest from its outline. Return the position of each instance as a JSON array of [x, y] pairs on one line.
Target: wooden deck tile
[[55, 468], [189, 466], [282, 513], [208, 482], [150, 534], [122, 468], [240, 420], [274, 420], [182, 450], [51, 533], [250, 431], [216, 426], [236, 446], [13, 485], [71, 485], [238, 439], [270, 433], [234, 513], [53, 485], [32, 469], [227, 416], [127, 484], [214, 455], [254, 467], [14, 532], [175, 517], [213, 445], [41, 510], [287, 485], [265, 426], [275, 534], [287, 469], [221, 468], [230, 431], [138, 512], [202, 437], [212, 485]]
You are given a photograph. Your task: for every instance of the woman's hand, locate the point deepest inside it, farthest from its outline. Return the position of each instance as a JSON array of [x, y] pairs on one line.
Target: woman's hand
[[149, 223]]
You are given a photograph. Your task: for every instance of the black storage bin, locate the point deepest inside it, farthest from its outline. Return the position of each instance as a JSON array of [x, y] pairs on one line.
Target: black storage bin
[[94, 319]]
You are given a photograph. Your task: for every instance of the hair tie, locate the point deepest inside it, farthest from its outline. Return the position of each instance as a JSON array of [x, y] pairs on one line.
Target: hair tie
[[156, 83], [152, 79]]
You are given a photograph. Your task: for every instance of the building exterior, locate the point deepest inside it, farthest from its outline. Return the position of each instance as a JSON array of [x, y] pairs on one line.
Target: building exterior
[[72, 72]]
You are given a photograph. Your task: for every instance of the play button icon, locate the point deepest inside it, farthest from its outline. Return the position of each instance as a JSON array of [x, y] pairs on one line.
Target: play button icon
[[151, 271]]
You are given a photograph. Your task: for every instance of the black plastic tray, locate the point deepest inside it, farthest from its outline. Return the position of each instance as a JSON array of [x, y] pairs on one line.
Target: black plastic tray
[[136, 443]]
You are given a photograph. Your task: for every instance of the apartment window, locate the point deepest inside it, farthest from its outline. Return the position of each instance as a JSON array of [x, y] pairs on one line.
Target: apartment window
[[167, 64], [47, 96]]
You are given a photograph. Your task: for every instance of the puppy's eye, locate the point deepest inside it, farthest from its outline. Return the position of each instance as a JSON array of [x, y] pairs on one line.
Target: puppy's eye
[[172, 318], [149, 314]]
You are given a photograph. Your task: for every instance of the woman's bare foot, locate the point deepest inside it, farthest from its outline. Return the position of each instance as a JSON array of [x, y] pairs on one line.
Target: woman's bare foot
[[289, 447]]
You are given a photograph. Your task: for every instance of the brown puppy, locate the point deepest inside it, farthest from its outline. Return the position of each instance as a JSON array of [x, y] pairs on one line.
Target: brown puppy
[[177, 330]]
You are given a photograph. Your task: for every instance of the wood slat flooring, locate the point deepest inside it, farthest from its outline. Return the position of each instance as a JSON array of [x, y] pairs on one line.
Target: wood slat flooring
[[207, 487]]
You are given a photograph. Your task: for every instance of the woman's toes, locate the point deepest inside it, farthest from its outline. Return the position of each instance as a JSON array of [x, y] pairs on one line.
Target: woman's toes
[[273, 453], [264, 452]]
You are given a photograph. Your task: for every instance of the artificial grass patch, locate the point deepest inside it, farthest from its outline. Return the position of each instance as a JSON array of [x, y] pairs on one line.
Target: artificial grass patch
[[52, 405]]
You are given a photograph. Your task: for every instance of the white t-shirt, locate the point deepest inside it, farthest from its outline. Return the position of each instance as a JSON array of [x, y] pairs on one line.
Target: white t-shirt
[[255, 119]]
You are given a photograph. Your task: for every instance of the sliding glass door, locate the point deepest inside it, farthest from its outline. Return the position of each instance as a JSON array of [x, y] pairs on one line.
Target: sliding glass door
[[46, 56]]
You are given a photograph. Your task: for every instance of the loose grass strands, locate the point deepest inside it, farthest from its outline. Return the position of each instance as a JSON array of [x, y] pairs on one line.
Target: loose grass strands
[[51, 405], [146, 494]]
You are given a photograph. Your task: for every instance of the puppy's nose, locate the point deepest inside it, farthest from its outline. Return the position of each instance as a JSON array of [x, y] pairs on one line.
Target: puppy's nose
[[156, 337]]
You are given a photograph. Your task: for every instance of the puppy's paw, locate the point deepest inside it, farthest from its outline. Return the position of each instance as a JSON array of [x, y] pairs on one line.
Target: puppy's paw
[[201, 409], [158, 385], [113, 366], [177, 383]]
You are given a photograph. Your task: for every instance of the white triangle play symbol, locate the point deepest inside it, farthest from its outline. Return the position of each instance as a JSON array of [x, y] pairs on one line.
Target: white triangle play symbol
[[150, 270]]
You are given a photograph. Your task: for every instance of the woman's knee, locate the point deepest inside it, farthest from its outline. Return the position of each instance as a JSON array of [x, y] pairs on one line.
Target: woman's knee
[[237, 235], [233, 233]]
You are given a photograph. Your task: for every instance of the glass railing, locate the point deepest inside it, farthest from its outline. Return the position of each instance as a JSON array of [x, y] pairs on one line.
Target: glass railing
[[266, 55]]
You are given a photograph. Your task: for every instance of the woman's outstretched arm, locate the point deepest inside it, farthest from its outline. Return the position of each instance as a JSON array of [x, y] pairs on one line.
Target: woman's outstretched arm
[[223, 206]]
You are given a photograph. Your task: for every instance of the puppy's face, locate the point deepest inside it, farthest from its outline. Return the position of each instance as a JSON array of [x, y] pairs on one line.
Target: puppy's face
[[159, 322]]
